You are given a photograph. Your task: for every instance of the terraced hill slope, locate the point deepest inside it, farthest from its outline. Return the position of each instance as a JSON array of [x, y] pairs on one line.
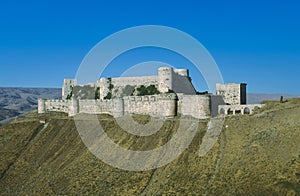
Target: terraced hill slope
[[255, 155]]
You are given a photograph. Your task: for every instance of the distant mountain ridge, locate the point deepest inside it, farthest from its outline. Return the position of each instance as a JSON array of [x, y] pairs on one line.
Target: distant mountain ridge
[[18, 101], [255, 98]]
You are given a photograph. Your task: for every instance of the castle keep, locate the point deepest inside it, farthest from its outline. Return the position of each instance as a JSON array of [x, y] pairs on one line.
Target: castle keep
[[168, 94]]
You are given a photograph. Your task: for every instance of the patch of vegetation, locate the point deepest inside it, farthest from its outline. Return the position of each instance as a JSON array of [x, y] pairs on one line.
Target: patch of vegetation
[[97, 93], [170, 91], [141, 119], [282, 100], [110, 88], [149, 90], [110, 85], [108, 96], [289, 185], [69, 96]]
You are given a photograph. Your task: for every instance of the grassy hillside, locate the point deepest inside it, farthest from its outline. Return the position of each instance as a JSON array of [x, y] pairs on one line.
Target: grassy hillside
[[253, 98], [255, 155]]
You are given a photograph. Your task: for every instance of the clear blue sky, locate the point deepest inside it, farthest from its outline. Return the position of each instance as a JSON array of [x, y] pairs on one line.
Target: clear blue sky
[[258, 42]]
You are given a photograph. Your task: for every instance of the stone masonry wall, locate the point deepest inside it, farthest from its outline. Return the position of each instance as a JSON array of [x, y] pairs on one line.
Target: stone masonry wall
[[53, 105], [167, 79], [230, 92], [163, 105], [95, 106], [134, 81], [197, 106]]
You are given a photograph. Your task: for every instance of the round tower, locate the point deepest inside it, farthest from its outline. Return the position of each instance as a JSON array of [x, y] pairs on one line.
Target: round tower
[[170, 105], [103, 87], [118, 107], [41, 106], [165, 79], [74, 107]]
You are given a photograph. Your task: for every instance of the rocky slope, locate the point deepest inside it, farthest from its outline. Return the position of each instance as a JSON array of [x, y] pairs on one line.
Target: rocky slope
[[255, 154]]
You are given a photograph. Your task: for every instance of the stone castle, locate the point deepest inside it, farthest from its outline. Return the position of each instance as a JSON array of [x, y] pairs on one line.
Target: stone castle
[[170, 93]]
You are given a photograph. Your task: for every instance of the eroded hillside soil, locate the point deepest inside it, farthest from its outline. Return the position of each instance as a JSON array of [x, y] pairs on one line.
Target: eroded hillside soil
[[255, 154]]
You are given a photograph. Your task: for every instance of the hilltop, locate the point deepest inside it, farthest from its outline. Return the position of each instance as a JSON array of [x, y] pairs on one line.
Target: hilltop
[[255, 154], [254, 98]]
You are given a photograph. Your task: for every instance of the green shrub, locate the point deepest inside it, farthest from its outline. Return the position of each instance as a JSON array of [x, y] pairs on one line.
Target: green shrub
[[108, 96], [149, 90], [152, 90], [97, 93], [69, 96], [110, 86]]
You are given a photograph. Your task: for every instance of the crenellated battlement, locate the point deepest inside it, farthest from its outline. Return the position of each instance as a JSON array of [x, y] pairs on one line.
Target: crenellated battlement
[[166, 96], [162, 105], [119, 96]]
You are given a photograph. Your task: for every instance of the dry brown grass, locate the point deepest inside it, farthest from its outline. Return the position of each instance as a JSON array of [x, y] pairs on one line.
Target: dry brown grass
[[255, 155]]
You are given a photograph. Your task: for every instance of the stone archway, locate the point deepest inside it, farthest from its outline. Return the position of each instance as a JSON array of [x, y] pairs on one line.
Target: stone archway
[[247, 110], [238, 111], [222, 111], [230, 111]]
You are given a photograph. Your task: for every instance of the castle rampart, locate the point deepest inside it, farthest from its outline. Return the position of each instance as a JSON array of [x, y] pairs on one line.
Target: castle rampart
[[197, 106], [53, 105], [172, 94], [134, 81], [162, 105]]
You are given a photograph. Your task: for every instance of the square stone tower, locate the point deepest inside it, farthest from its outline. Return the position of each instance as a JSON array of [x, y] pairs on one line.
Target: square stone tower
[[233, 94], [67, 88]]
